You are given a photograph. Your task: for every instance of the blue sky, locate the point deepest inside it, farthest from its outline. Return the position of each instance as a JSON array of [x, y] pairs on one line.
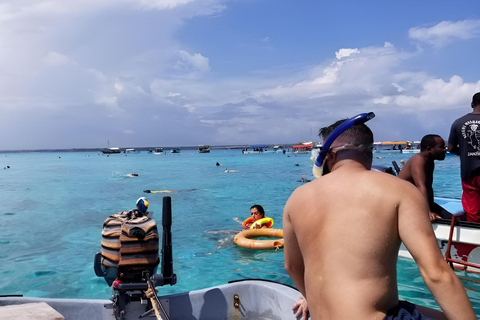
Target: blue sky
[[76, 73]]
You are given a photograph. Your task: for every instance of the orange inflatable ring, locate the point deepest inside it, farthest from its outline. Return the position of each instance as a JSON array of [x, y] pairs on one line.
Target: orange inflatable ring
[[243, 239], [268, 222]]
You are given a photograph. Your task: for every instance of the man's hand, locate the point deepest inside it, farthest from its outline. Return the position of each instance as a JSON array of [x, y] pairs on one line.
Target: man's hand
[[433, 216], [302, 306]]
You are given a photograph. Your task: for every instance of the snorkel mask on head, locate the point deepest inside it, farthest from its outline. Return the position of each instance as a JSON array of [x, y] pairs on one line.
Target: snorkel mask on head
[[318, 167]]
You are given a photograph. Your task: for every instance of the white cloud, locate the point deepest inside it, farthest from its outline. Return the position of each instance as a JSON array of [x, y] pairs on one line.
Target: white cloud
[[437, 94], [161, 4], [195, 61], [342, 53], [110, 102], [446, 32], [56, 59]]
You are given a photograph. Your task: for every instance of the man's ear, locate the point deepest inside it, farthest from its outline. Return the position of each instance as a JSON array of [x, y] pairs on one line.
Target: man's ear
[[333, 156]]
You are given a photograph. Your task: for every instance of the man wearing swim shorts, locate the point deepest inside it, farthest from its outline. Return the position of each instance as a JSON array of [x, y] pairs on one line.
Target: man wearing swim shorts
[[464, 140], [342, 234]]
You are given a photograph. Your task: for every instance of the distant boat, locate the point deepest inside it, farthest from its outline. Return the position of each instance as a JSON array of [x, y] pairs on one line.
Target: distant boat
[[131, 150], [389, 146], [256, 148], [175, 150], [110, 150], [158, 151], [412, 147], [303, 147], [204, 148]]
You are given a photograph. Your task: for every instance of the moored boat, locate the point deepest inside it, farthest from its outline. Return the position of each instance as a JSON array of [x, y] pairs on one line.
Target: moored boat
[[459, 241], [303, 148], [203, 148], [158, 151], [256, 148], [389, 146], [175, 150], [412, 147], [111, 150]]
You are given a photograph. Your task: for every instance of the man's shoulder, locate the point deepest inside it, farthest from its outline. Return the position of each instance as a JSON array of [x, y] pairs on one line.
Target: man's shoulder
[[466, 117]]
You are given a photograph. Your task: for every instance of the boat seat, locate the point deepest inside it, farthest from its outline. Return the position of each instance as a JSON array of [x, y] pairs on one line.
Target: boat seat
[[37, 310]]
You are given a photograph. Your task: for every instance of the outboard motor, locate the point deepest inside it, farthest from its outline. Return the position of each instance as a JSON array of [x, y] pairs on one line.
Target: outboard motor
[[383, 169], [131, 282]]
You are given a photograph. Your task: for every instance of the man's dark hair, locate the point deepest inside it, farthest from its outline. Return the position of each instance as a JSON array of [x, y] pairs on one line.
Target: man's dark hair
[[428, 141], [476, 100], [356, 135]]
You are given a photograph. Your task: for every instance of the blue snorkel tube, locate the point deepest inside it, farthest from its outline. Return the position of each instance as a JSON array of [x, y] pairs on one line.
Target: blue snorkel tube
[[356, 120]]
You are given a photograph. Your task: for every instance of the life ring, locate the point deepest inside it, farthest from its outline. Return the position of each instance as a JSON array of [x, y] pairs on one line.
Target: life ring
[[268, 222], [247, 221], [242, 239]]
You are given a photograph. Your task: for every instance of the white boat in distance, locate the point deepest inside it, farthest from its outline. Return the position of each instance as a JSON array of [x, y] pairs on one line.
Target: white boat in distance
[[158, 151], [397, 146], [204, 149], [412, 147], [256, 148], [110, 150]]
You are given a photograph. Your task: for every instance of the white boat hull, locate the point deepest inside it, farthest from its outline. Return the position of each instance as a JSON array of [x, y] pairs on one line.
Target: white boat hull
[[465, 238]]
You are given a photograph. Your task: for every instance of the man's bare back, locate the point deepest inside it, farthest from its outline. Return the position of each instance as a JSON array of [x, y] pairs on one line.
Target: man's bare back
[[350, 242]]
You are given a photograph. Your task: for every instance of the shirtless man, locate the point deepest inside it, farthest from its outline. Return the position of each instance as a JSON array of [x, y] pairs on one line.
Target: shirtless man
[[419, 171], [342, 235]]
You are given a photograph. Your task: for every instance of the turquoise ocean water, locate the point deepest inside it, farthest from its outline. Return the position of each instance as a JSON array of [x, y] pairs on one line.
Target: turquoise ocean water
[[52, 206]]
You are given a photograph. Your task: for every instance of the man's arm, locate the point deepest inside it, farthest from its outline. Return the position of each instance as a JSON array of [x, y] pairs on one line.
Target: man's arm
[[417, 168], [453, 149], [417, 234], [294, 261], [293, 256], [453, 141]]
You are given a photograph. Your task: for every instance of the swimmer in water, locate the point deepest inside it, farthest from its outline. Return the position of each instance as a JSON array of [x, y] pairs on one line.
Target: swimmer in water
[[168, 191]]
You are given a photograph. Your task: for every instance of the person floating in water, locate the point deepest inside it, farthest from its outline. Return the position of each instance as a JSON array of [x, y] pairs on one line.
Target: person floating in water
[[303, 179], [257, 219], [167, 191]]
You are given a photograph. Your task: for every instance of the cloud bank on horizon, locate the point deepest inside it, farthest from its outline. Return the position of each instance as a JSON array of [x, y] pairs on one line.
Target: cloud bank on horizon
[[188, 72]]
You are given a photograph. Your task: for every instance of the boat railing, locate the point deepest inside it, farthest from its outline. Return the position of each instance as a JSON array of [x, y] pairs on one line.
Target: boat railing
[[448, 255]]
